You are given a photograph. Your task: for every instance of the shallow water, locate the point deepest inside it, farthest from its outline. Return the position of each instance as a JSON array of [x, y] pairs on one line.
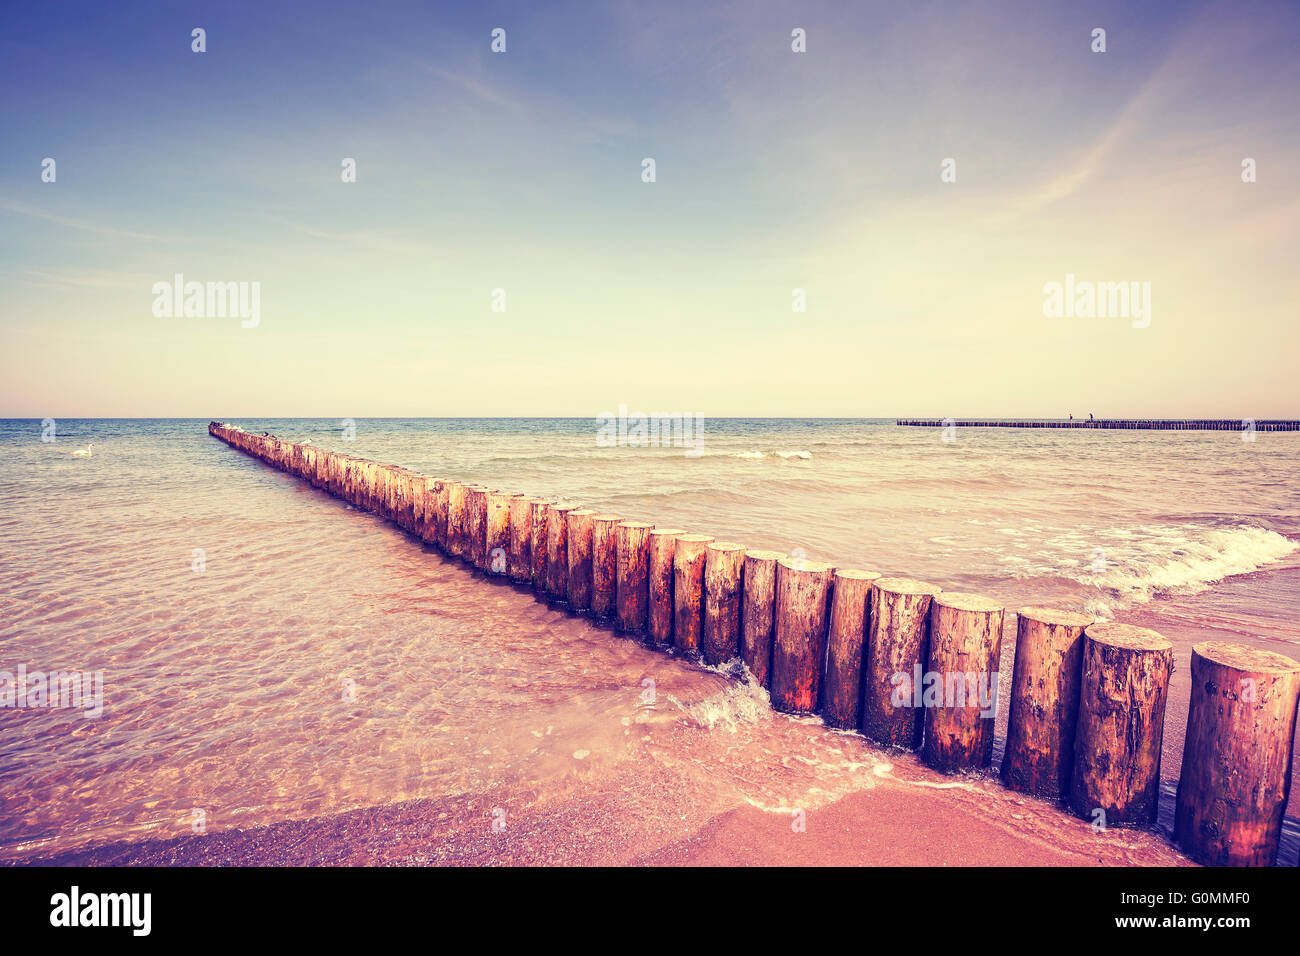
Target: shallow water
[[307, 659]]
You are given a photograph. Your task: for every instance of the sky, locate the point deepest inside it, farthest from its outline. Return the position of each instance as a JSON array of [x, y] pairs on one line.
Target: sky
[[775, 170]]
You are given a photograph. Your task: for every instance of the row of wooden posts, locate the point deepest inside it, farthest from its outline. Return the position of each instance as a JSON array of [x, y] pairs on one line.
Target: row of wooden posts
[[899, 660], [1146, 424]]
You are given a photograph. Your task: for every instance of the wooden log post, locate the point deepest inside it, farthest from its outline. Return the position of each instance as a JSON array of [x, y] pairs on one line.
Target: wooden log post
[[519, 559], [1116, 776], [339, 484], [429, 510], [379, 490], [311, 471], [724, 568], [757, 616], [422, 491], [332, 462], [632, 575], [965, 648], [663, 543], [498, 532], [1044, 707], [541, 521], [1236, 772], [689, 557], [482, 560], [356, 469], [360, 481], [393, 501], [467, 524], [324, 466], [476, 505], [404, 499], [419, 489], [557, 552], [390, 506], [846, 637], [369, 483], [604, 566], [579, 535], [897, 644], [799, 640], [378, 487], [442, 514], [393, 494], [457, 518]]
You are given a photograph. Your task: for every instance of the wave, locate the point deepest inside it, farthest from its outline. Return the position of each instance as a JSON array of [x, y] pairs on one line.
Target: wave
[[1186, 562], [799, 455]]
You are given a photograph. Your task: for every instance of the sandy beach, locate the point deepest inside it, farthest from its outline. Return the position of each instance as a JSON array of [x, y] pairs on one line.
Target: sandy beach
[[647, 817]]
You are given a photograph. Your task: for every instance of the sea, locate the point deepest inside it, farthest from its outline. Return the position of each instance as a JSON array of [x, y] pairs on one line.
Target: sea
[[267, 653]]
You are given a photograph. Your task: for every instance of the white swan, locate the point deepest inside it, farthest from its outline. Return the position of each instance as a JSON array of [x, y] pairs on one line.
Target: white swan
[[86, 452]]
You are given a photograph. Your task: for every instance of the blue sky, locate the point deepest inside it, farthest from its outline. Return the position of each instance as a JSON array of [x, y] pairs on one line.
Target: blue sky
[[522, 171]]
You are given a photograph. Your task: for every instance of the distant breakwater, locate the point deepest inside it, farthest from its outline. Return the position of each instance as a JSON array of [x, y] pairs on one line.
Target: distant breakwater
[[901, 661], [1146, 424]]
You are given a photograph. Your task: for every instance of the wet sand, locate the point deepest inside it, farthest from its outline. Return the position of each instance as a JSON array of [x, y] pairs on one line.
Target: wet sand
[[651, 818]]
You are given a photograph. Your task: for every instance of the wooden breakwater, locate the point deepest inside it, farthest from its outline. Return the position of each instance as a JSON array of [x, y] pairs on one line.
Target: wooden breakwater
[[1147, 424], [901, 661]]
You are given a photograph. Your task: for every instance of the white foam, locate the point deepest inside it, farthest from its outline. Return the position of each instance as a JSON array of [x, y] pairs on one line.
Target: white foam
[[1185, 560]]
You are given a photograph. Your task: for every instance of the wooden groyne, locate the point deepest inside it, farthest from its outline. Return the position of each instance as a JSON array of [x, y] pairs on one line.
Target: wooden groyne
[[1144, 424], [903, 662]]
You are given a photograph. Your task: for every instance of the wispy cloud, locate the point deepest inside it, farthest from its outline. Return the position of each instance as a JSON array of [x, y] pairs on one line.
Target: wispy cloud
[[24, 209]]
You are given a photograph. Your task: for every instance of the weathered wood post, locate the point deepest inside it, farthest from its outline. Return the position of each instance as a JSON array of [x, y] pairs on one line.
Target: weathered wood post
[[541, 523], [340, 483], [965, 648], [1116, 777], [476, 512], [604, 566], [331, 467], [403, 498], [799, 642], [846, 637], [393, 494], [662, 545], [519, 561], [418, 488], [457, 518], [557, 552], [580, 527], [351, 478], [378, 489], [435, 532], [689, 556], [482, 559], [311, 469], [757, 613], [897, 644], [1044, 707], [422, 492], [724, 568], [1236, 773], [370, 487], [632, 575], [498, 532]]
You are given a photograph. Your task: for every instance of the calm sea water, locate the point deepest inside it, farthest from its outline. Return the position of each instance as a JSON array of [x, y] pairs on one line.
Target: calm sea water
[[268, 653]]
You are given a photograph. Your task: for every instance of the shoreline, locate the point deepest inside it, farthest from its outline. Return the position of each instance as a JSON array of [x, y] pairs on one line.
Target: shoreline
[[643, 816]]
